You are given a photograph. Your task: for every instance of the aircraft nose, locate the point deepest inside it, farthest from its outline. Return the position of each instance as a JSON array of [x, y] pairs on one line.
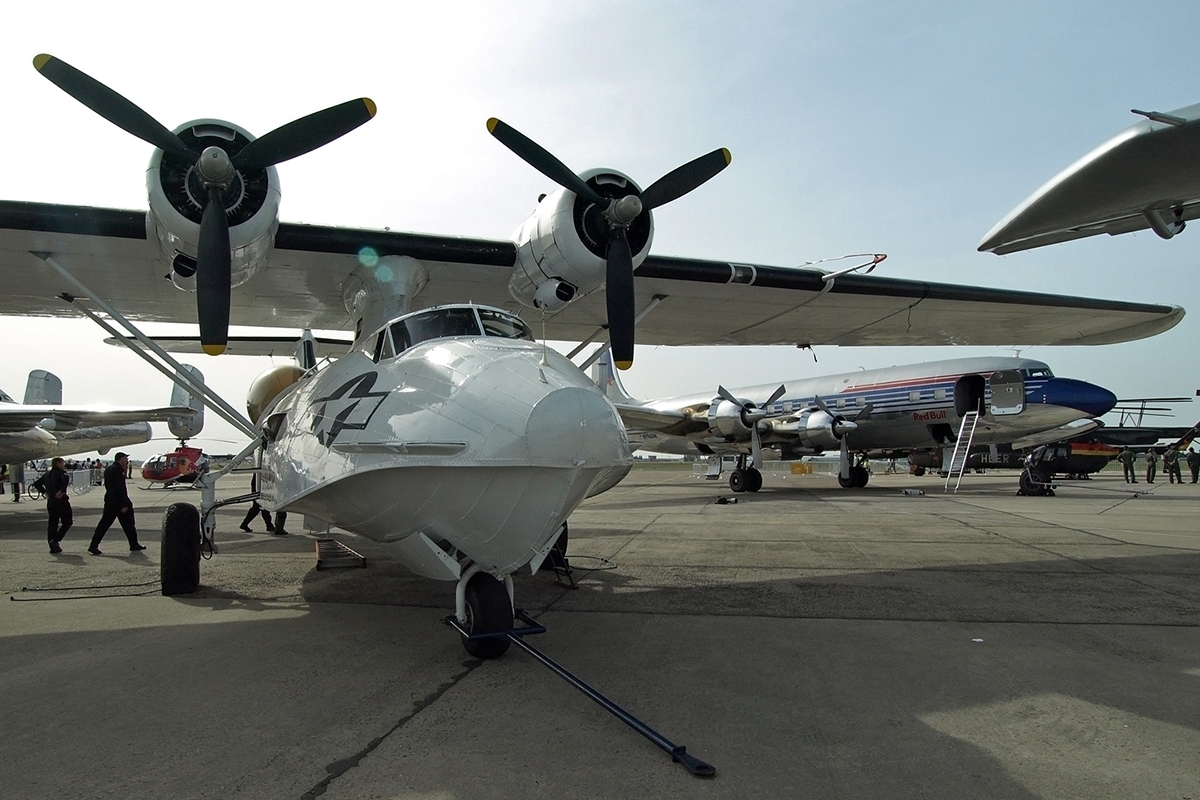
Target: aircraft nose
[[1087, 397]]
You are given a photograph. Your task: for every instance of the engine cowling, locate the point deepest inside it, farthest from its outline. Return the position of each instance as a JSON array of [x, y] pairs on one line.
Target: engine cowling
[[177, 199], [817, 430], [730, 420], [561, 247]]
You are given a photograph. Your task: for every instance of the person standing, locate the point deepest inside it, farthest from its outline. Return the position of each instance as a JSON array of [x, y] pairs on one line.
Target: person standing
[[58, 504], [256, 509], [1151, 464], [1127, 457], [1193, 462], [16, 477], [117, 506], [1171, 465], [280, 519]]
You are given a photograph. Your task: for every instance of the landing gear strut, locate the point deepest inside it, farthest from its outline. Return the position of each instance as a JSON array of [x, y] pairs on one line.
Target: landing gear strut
[[745, 479]]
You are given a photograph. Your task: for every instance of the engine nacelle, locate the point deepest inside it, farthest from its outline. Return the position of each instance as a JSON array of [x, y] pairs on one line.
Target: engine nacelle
[[561, 248], [177, 199], [728, 420], [817, 430]]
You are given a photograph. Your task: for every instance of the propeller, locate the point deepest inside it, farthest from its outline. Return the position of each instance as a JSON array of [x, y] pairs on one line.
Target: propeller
[[840, 427], [216, 169], [619, 213], [751, 416]]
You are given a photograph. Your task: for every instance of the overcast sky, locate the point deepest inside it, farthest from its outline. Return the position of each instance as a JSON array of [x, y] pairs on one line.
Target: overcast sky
[[903, 128]]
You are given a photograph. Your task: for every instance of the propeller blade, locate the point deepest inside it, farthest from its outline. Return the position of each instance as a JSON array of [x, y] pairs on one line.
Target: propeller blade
[[724, 394], [681, 180], [213, 275], [115, 108], [866, 412], [618, 291], [821, 405], [844, 467], [776, 395], [755, 448], [540, 159], [305, 134]]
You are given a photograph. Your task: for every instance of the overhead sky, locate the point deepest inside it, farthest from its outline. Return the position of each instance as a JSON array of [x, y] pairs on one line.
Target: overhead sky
[[903, 128]]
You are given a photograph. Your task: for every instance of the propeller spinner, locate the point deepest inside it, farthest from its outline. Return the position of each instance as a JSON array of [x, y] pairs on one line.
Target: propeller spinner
[[619, 213], [216, 169]]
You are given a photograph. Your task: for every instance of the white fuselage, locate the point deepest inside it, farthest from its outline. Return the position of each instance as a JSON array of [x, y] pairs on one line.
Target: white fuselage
[[479, 447]]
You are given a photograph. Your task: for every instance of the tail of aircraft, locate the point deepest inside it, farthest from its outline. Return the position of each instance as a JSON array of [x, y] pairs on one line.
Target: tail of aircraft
[[43, 389], [609, 381], [187, 427]]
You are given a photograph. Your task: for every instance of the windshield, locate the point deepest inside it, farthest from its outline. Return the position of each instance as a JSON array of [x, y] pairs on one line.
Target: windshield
[[453, 322]]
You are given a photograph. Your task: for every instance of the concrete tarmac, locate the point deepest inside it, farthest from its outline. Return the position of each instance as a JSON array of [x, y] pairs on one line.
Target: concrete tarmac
[[807, 641]]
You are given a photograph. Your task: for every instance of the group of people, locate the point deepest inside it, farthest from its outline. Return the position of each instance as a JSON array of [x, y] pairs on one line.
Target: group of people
[[1170, 459], [117, 505]]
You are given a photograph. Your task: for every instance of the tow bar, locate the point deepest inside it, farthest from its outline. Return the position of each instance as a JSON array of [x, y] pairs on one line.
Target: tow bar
[[677, 752]]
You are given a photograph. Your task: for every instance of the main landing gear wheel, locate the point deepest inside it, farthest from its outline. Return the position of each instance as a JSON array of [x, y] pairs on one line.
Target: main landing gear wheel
[[745, 480], [489, 609], [857, 480], [1034, 482]]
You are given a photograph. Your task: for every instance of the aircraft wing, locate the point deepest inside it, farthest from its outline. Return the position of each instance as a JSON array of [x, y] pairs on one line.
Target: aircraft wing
[[705, 302], [669, 421], [16, 418], [1147, 176]]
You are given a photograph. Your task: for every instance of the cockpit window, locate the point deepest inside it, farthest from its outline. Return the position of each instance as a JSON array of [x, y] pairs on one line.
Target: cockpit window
[[456, 321], [506, 326], [1037, 372]]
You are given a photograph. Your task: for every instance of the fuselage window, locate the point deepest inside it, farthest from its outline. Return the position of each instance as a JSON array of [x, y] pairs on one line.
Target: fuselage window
[[841, 403], [860, 401], [939, 394], [914, 397], [1039, 373]]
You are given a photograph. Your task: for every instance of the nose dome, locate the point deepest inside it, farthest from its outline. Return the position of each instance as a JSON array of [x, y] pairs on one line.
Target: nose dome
[[573, 426], [1087, 397]]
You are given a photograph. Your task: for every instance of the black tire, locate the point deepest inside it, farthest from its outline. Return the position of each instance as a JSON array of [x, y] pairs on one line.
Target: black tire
[[859, 477], [918, 471], [1033, 482], [489, 609], [34, 493], [754, 480], [846, 483], [179, 567], [737, 480]]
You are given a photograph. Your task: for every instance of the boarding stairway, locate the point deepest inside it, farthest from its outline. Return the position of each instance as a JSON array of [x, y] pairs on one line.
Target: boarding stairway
[[962, 449]]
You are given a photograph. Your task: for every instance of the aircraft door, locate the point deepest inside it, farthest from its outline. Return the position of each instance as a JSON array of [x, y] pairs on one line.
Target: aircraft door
[[969, 392], [1008, 392]]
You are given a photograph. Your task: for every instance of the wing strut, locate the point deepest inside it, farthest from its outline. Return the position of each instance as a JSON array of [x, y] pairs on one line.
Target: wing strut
[[181, 377]]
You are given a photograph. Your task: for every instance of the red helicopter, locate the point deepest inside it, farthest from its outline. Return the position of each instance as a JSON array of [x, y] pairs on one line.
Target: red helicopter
[[182, 466]]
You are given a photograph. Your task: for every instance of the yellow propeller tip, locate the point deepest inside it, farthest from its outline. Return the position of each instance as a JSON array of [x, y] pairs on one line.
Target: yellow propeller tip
[[623, 364], [370, 104], [213, 349], [40, 60], [728, 156], [492, 123]]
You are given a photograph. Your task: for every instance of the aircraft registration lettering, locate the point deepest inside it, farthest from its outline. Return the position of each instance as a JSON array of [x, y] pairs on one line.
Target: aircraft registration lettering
[[924, 416]]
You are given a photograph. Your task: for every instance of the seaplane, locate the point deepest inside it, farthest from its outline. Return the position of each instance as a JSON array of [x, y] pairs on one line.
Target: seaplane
[[448, 429]]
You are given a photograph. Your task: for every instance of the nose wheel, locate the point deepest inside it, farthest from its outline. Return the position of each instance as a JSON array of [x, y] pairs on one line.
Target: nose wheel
[[488, 610]]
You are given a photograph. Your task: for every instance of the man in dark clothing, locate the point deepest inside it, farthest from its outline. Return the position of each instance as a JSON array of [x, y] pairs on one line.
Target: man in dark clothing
[[1151, 464], [256, 509], [1127, 457], [1171, 465], [1193, 462], [117, 506], [58, 505]]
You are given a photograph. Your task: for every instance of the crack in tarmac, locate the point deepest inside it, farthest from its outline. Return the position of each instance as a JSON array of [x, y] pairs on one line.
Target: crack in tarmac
[[339, 768]]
